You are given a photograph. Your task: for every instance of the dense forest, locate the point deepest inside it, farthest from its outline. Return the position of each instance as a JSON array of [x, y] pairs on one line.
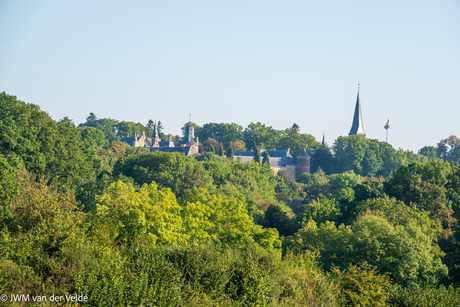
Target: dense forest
[[82, 213]]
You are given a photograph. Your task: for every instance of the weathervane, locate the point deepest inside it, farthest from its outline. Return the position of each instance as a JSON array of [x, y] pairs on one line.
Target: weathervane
[[387, 126]]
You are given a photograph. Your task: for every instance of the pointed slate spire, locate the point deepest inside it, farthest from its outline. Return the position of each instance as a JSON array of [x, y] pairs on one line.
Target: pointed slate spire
[[323, 142], [155, 130], [303, 153], [357, 128]]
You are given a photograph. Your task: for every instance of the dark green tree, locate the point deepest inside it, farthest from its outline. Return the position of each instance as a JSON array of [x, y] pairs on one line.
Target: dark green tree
[[449, 150], [54, 149], [212, 149], [266, 159], [230, 153], [91, 119], [428, 151], [221, 151], [257, 156]]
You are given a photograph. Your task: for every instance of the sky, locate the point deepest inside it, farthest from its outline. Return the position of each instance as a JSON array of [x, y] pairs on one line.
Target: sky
[[275, 62]]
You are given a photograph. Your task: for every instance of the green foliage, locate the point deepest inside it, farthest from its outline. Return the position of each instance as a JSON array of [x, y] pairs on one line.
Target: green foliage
[[266, 159], [429, 152], [362, 287], [275, 217], [424, 185], [222, 133], [221, 151], [168, 170], [296, 142], [92, 137], [128, 216], [449, 150], [322, 159], [257, 156], [424, 297], [259, 135], [320, 210], [230, 153], [231, 224], [106, 125], [404, 252], [9, 188], [43, 145]]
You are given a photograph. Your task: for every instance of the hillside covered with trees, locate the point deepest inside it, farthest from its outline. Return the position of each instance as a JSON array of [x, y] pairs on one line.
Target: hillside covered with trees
[[82, 213]]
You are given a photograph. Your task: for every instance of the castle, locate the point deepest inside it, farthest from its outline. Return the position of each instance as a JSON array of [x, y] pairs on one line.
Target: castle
[[188, 145], [280, 160]]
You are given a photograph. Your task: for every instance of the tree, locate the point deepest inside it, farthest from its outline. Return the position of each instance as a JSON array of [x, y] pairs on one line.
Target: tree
[[293, 130], [230, 153], [296, 142], [266, 159], [45, 146], [257, 156], [150, 214], [424, 185], [232, 224], [91, 119], [257, 134], [362, 286], [9, 188], [449, 150], [221, 151], [322, 159], [428, 151], [176, 171], [222, 133], [211, 149], [92, 137]]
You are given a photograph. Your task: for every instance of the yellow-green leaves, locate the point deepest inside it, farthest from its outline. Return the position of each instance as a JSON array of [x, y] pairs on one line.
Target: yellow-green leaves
[[148, 214]]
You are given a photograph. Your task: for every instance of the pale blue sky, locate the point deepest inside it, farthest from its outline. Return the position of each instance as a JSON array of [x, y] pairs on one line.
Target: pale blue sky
[[277, 62]]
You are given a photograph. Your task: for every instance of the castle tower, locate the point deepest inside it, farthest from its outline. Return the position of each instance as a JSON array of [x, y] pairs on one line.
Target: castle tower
[[303, 163], [189, 138], [357, 127]]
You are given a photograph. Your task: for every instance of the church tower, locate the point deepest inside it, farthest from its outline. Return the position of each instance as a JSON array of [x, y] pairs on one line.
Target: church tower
[[357, 127]]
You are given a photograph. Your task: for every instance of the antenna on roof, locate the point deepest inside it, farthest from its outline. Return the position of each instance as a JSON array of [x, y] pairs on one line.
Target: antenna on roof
[[190, 118]]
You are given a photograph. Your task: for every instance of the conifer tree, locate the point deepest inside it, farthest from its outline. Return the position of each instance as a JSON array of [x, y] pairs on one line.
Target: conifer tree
[[230, 153], [211, 149], [266, 159], [221, 151], [257, 156]]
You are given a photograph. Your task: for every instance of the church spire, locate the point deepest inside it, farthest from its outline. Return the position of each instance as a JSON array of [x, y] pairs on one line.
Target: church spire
[[357, 127]]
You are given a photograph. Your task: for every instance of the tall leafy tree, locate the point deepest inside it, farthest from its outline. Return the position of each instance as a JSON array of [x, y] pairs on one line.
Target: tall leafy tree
[[429, 152], [449, 150], [257, 134], [45, 146]]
